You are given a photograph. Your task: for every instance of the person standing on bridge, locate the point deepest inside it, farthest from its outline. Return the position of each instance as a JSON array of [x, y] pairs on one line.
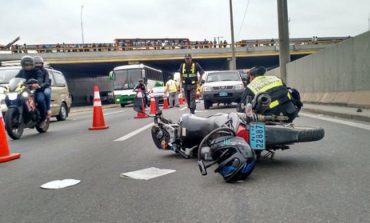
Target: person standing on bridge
[[189, 80]]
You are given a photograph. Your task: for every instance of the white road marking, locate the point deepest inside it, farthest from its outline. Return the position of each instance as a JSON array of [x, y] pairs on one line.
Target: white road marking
[[112, 113], [339, 121], [133, 133], [182, 109], [148, 173], [90, 115], [60, 184]]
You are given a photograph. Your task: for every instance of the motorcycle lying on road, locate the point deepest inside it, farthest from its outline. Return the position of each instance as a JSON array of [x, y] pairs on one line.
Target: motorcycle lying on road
[[207, 138], [22, 110]]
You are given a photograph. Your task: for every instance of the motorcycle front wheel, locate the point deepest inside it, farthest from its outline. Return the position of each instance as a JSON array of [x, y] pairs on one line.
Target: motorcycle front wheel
[[14, 123]]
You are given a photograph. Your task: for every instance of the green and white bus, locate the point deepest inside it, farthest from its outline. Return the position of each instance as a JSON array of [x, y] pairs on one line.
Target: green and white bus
[[126, 77]]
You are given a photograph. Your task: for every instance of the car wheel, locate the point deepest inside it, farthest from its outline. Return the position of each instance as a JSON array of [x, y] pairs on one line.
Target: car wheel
[[207, 104], [63, 113]]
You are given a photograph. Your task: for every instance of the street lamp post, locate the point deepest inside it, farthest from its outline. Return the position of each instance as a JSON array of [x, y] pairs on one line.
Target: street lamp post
[[82, 27], [233, 59], [283, 21]]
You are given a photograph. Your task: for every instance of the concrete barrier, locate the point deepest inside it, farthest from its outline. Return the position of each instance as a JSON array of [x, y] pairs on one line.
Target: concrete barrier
[[336, 75]]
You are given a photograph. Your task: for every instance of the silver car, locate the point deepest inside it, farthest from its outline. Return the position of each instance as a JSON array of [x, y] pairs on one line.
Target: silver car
[[222, 87]]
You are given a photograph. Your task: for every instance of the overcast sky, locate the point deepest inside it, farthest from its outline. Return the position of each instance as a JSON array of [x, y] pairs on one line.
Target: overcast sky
[[57, 21]]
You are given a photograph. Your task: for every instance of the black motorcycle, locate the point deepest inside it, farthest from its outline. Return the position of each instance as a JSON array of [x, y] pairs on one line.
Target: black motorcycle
[[263, 133], [22, 109], [211, 139]]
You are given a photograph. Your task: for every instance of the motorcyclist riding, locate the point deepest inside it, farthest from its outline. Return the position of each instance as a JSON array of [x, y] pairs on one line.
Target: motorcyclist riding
[[45, 86], [29, 72], [281, 98], [142, 86]]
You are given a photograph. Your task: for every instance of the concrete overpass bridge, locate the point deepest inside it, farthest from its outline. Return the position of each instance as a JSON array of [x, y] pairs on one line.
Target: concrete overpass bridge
[[83, 69], [168, 60]]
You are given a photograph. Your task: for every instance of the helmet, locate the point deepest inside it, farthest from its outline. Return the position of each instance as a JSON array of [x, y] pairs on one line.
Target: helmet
[[257, 71], [38, 60], [236, 160], [27, 60]]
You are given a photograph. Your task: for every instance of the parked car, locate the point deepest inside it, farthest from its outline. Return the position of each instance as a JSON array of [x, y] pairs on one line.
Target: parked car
[[157, 93], [60, 96], [222, 87]]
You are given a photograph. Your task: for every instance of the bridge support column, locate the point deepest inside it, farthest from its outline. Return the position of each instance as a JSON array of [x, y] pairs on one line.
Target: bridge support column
[[231, 65], [284, 57]]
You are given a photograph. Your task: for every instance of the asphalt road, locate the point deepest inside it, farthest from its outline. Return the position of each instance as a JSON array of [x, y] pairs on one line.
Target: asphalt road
[[325, 181]]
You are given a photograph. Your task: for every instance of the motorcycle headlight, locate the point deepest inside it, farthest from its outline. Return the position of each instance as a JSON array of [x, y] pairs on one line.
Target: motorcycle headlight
[[239, 87], [207, 88], [12, 96], [25, 94]]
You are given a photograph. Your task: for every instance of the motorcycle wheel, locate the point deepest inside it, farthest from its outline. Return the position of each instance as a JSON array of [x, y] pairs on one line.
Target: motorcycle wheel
[[13, 128], [309, 134], [44, 128]]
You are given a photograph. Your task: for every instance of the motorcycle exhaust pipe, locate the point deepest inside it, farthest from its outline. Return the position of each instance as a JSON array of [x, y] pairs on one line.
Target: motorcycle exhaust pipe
[[262, 103]]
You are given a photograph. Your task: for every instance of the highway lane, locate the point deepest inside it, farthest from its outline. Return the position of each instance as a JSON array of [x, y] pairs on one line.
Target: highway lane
[[325, 181]]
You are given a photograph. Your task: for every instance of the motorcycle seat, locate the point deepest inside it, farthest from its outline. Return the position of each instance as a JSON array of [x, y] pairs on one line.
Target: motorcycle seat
[[202, 126]]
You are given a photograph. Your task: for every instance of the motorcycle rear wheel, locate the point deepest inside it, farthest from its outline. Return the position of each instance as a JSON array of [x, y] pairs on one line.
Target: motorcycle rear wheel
[[14, 130], [309, 134], [44, 128]]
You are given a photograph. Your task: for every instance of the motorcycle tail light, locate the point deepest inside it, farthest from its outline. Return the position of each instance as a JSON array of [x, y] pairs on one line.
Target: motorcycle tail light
[[243, 132]]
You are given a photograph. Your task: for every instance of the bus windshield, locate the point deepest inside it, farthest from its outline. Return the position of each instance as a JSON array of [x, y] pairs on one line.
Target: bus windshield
[[127, 79]]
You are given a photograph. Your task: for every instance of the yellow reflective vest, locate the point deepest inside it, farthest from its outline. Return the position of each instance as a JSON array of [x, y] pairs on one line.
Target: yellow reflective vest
[[172, 86], [189, 76], [272, 86]]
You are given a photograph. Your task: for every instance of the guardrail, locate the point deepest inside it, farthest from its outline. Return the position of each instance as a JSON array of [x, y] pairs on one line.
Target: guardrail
[[91, 48]]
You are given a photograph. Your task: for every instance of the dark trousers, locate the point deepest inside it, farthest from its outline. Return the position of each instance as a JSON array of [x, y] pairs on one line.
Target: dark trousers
[[190, 95], [41, 103], [287, 109], [47, 93]]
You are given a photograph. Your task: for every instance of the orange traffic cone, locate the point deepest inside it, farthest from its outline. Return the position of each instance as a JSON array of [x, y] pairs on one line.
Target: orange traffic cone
[[165, 102], [141, 114], [153, 106], [5, 154], [98, 116]]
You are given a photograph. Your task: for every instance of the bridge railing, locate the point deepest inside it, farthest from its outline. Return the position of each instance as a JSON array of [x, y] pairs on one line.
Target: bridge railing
[[68, 48]]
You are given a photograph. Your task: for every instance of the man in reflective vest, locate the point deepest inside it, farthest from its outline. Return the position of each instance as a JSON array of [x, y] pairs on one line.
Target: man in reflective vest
[[189, 80], [281, 99], [172, 88]]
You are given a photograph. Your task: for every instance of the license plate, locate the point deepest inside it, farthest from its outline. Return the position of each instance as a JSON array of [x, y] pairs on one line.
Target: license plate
[[257, 136], [223, 94], [129, 101]]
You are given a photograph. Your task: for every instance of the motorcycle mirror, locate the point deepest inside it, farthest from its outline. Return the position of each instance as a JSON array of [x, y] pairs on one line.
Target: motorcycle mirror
[[202, 167]]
